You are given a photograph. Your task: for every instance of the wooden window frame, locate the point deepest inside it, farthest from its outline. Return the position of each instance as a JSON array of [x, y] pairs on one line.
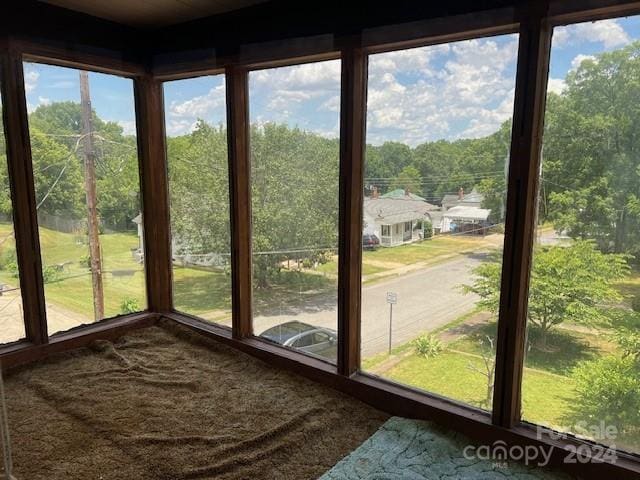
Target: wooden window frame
[[532, 21]]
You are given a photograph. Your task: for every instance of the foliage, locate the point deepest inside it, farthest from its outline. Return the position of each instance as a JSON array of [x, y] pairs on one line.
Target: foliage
[[129, 305], [607, 390], [50, 273], [591, 171], [428, 345], [427, 228], [572, 283]]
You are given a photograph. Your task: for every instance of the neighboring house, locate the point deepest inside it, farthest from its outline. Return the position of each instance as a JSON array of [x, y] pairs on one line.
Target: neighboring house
[[396, 217], [463, 213]]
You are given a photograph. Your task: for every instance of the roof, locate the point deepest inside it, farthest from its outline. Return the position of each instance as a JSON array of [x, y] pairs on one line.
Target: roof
[[467, 213], [472, 197], [396, 210], [403, 195]]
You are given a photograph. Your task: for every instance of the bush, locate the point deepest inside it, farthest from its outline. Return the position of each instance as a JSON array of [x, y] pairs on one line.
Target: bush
[[608, 390], [50, 274], [129, 305], [427, 228], [7, 258], [428, 345]]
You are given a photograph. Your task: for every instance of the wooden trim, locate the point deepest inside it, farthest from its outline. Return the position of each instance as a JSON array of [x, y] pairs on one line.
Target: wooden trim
[[562, 12], [71, 58], [352, 137], [25, 220], [398, 400], [524, 165], [237, 85], [152, 152], [24, 353], [440, 30]]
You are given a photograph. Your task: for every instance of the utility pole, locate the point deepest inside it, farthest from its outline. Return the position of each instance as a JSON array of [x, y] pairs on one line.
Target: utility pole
[[90, 188]]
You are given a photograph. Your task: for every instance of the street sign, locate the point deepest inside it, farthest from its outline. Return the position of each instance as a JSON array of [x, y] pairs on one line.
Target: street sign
[[392, 298]]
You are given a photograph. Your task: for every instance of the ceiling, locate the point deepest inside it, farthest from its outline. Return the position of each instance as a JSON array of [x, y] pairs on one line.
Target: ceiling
[[152, 13]]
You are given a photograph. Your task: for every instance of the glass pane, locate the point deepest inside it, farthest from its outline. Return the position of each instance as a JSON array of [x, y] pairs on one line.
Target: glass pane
[[582, 372], [199, 194], [438, 140], [85, 164], [11, 316], [294, 185]]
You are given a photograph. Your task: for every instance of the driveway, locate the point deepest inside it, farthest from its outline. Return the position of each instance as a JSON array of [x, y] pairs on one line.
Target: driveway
[[427, 299]]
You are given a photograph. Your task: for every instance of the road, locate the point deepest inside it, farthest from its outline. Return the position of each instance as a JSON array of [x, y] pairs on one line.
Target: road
[[427, 299]]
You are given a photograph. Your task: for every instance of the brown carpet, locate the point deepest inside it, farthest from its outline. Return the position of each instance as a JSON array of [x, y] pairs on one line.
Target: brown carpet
[[167, 403]]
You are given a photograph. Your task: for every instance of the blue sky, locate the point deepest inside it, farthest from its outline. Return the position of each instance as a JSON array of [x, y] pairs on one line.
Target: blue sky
[[450, 91]]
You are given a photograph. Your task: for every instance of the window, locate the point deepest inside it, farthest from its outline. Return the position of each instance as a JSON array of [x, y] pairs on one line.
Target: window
[[85, 164], [199, 196], [294, 186], [438, 140], [582, 370], [11, 317]]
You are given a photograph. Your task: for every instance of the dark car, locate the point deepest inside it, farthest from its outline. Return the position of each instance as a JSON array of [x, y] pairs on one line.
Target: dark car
[[302, 336], [369, 241]]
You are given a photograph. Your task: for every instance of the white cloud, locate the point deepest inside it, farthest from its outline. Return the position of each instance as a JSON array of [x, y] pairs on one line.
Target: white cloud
[[128, 126], [608, 32], [467, 93], [44, 101], [182, 116], [30, 80], [578, 59], [556, 85]]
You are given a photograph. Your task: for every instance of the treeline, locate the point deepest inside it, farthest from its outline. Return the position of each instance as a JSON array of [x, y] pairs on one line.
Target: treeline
[[590, 179]]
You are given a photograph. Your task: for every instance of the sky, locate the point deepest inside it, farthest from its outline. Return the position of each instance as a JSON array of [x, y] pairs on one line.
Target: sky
[[448, 91]]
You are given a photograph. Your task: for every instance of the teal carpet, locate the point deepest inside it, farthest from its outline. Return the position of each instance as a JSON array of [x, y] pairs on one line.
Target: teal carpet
[[405, 449]]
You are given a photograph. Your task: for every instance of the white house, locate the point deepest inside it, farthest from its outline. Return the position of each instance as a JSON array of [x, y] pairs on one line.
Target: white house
[[396, 217], [463, 213]]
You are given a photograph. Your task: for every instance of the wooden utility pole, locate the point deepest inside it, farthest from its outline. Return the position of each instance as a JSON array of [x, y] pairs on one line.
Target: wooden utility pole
[[90, 188]]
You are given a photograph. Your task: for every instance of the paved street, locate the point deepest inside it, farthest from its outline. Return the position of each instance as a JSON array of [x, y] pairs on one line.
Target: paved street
[[427, 299]]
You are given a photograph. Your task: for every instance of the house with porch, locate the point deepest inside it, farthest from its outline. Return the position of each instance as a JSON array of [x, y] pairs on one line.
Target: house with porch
[[397, 217]]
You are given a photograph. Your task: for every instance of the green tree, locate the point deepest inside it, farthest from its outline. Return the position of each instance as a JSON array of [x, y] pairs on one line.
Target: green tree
[[572, 283], [408, 179]]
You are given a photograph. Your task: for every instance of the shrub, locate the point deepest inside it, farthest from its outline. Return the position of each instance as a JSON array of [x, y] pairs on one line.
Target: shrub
[[608, 390], [427, 228], [129, 305], [7, 258], [428, 345], [50, 274]]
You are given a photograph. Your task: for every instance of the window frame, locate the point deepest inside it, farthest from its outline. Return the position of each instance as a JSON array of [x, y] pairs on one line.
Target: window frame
[[353, 51]]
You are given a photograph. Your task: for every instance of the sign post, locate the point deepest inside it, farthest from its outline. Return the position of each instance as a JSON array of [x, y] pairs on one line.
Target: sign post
[[392, 299]]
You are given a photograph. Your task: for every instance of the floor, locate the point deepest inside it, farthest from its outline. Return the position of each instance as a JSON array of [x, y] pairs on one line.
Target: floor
[[167, 403]]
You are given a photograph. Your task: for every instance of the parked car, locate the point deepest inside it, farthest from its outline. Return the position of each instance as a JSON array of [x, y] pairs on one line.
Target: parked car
[[370, 241], [302, 336]]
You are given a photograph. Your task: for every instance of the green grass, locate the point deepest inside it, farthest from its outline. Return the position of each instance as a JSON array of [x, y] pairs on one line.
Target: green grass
[[331, 268], [73, 289], [425, 251], [546, 397]]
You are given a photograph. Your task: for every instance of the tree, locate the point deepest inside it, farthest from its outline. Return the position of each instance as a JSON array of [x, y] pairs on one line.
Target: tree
[[591, 170], [572, 283], [408, 180]]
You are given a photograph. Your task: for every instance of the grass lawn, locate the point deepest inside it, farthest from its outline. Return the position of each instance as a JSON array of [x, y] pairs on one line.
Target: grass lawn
[[426, 250], [546, 397], [72, 289]]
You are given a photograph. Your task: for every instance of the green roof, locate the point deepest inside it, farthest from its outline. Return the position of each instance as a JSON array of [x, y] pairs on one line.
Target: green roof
[[400, 193]]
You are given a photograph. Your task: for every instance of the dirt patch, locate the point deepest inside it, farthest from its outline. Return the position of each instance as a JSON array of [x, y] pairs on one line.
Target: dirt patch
[[166, 403]]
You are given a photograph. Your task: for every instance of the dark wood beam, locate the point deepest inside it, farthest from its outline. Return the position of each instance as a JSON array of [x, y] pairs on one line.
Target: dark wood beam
[[25, 220], [152, 157], [352, 137], [521, 215], [237, 85]]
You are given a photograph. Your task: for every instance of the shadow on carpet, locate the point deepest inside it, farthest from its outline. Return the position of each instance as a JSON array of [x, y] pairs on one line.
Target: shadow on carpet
[[166, 403], [404, 449]]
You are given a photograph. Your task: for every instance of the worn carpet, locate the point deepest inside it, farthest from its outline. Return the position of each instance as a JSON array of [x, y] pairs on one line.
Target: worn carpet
[[167, 403], [404, 449]]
